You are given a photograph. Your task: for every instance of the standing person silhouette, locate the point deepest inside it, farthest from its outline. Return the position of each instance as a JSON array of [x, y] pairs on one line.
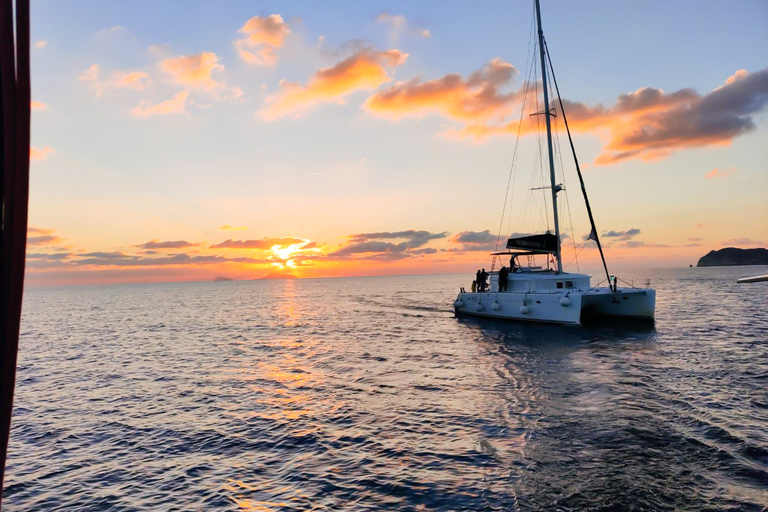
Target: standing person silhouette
[[483, 280], [478, 278], [503, 275]]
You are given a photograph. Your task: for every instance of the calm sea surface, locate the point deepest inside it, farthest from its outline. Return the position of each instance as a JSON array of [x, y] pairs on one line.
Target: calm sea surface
[[368, 394]]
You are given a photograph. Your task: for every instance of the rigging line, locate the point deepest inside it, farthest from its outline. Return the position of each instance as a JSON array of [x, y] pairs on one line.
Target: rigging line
[[578, 169], [512, 167], [531, 201], [526, 90], [575, 257], [561, 168], [540, 162]]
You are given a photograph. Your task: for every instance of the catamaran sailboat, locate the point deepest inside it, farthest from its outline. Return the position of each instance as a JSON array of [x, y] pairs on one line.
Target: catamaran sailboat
[[545, 293]]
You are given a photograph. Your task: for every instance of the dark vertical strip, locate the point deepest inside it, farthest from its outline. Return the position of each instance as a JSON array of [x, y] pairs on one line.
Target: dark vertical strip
[[14, 194]]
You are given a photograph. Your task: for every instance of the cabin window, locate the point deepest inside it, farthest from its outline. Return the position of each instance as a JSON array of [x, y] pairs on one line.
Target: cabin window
[[569, 284], [559, 284]]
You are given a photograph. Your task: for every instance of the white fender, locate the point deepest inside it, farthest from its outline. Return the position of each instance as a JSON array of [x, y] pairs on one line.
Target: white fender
[[496, 306], [565, 302], [479, 307], [525, 309]]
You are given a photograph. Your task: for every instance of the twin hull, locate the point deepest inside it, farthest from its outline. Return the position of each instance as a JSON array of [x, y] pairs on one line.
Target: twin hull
[[563, 308]]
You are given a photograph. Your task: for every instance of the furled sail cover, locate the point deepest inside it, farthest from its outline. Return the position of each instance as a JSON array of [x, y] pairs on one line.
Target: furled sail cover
[[544, 243]]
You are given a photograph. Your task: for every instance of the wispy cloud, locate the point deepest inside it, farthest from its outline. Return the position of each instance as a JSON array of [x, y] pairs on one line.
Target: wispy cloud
[[717, 173], [175, 244], [40, 153], [91, 74], [175, 105], [117, 29], [44, 240], [263, 243], [227, 227], [137, 80], [41, 43], [742, 241], [399, 24]]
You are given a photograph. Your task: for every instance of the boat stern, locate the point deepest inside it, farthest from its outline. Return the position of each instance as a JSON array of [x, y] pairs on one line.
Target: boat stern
[[633, 303]]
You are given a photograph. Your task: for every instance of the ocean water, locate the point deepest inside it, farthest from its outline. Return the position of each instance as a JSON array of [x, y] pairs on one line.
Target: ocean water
[[368, 394]]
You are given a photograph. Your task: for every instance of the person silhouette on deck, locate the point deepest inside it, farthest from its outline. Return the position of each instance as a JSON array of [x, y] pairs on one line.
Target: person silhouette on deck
[[483, 280], [478, 277], [503, 275]]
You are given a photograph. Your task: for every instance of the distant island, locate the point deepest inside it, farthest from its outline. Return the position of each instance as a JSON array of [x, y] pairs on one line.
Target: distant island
[[278, 275], [732, 256], [222, 278]]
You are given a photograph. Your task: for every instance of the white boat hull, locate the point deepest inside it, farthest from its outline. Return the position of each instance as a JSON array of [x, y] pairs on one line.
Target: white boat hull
[[552, 308]]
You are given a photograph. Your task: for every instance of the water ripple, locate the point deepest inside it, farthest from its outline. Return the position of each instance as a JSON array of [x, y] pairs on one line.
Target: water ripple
[[367, 394]]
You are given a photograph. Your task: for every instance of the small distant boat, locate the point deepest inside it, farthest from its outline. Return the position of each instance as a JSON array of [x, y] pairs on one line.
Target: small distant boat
[[755, 279], [545, 293]]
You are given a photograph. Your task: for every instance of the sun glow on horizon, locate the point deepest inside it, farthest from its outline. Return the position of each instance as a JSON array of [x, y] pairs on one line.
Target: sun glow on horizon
[[285, 252]]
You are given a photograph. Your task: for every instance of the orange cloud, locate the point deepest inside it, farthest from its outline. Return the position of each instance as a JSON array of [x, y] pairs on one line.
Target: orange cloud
[[475, 99], [38, 105], [40, 154], [646, 124], [263, 36], [227, 227], [175, 105], [41, 43], [194, 70], [717, 173], [365, 70]]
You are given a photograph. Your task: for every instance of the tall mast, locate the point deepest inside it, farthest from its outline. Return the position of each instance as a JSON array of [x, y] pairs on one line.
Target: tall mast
[[555, 188]]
